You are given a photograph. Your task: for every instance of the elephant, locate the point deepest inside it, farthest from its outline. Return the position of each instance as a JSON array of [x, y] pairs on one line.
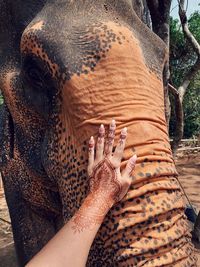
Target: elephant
[[68, 66]]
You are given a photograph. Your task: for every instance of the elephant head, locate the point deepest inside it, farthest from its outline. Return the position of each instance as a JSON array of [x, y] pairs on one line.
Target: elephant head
[[82, 64]]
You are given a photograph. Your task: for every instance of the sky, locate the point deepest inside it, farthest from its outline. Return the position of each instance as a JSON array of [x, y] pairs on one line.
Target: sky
[[192, 6]]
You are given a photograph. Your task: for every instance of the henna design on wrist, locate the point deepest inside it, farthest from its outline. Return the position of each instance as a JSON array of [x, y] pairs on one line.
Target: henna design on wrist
[[90, 214]]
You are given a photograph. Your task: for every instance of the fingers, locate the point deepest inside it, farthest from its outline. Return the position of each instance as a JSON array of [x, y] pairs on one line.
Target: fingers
[[130, 166], [118, 154], [100, 144], [110, 139], [90, 155]]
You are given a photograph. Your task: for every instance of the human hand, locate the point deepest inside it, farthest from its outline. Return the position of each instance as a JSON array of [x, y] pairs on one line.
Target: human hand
[[104, 167]]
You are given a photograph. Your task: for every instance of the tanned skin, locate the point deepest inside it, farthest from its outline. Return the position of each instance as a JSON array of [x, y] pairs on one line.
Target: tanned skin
[[107, 186]]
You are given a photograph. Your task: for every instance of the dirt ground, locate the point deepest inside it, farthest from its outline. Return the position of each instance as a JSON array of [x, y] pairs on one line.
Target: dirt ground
[[188, 166], [7, 252]]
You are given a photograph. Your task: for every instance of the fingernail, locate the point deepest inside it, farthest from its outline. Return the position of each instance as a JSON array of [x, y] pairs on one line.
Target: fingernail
[[112, 126], [113, 122], [101, 129], [91, 141], [124, 130], [133, 159]]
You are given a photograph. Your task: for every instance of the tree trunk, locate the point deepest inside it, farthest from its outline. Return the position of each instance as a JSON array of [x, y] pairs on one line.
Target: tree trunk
[[160, 13], [186, 80]]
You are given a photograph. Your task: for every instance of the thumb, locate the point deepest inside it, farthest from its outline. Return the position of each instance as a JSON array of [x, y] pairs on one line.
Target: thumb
[[130, 166]]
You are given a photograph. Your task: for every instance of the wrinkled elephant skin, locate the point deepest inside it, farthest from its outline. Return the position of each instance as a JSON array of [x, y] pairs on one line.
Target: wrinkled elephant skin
[[82, 64]]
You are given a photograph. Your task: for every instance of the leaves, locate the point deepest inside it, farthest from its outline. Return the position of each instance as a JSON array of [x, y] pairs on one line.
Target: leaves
[[182, 57], [1, 99]]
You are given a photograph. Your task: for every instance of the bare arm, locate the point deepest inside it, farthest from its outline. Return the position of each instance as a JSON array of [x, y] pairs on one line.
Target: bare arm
[[71, 245]]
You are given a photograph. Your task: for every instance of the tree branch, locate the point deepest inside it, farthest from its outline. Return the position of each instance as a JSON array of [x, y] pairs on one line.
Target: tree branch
[[188, 78], [173, 90], [195, 45], [188, 35]]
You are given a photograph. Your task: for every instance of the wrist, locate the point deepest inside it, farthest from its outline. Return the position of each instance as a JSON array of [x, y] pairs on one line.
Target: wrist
[[92, 212], [101, 198]]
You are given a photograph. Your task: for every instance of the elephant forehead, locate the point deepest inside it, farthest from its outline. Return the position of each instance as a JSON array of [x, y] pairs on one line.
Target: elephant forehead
[[101, 79], [74, 50], [119, 81], [80, 47]]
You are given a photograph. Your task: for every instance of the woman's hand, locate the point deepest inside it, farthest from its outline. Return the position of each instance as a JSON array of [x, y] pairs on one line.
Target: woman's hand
[[104, 168], [107, 185]]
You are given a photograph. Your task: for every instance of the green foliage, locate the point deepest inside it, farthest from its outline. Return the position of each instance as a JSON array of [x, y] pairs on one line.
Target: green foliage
[[194, 25], [191, 106], [1, 99], [182, 57]]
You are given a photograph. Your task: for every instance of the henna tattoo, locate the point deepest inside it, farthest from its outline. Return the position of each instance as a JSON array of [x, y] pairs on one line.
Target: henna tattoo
[[105, 185], [131, 165], [101, 134], [90, 214], [91, 145], [111, 133], [131, 170], [82, 222], [105, 191], [101, 131], [100, 140], [104, 176], [123, 136], [109, 142], [111, 136]]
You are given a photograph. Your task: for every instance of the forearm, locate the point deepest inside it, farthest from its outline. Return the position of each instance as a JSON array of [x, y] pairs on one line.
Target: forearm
[[71, 245]]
